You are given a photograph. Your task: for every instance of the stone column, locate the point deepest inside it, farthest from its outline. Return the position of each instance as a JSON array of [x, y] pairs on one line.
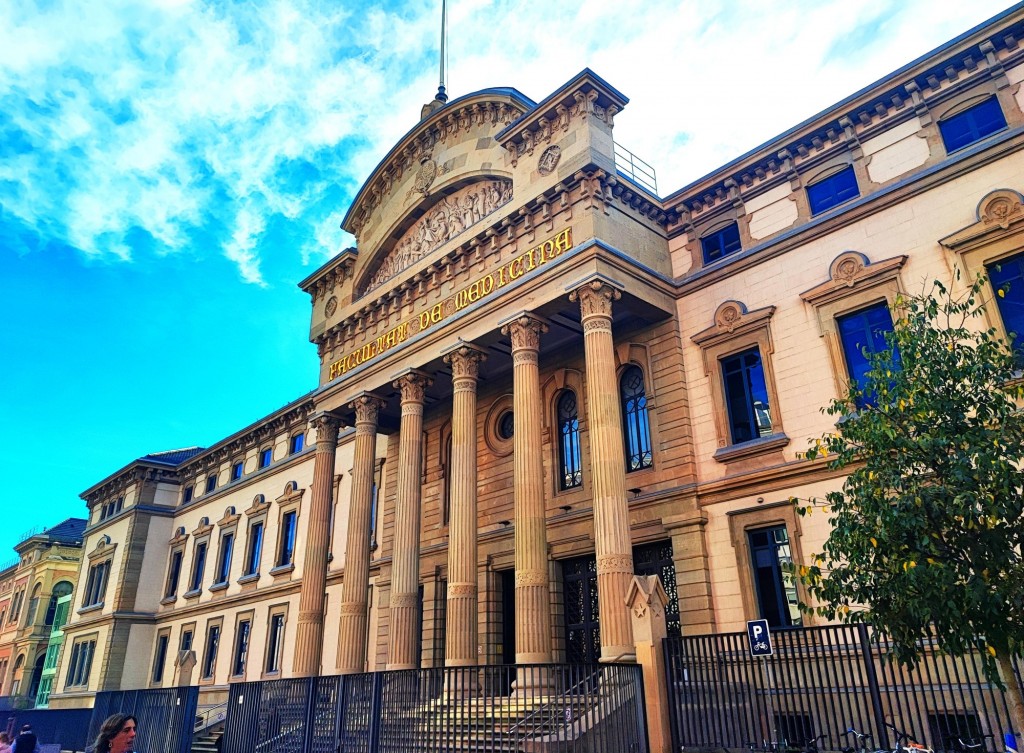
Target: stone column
[[405, 579], [352, 631], [608, 462], [461, 624], [533, 588], [309, 637]]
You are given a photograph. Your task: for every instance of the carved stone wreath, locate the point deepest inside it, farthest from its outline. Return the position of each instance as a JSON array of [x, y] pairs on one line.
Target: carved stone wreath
[[549, 159]]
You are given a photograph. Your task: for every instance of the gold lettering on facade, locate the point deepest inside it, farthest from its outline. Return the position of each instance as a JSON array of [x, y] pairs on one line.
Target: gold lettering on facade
[[477, 290]]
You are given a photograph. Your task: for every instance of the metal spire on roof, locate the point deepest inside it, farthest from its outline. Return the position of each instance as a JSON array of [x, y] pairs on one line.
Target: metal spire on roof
[[442, 95]]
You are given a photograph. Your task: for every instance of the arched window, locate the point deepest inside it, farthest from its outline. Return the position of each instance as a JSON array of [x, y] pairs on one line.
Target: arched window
[[61, 589], [569, 455], [446, 503], [33, 605], [635, 422]]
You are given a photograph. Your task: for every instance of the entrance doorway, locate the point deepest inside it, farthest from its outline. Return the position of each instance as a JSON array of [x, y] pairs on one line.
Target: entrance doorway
[[582, 618]]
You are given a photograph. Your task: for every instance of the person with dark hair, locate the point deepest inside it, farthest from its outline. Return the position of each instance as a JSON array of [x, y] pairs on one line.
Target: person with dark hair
[[117, 734], [26, 742]]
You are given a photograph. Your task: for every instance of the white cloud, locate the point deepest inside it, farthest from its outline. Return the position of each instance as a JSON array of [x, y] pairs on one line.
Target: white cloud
[[175, 117]]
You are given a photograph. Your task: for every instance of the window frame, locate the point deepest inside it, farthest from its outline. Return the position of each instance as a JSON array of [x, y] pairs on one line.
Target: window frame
[[854, 283], [627, 434], [208, 668], [237, 470], [300, 439], [161, 648], [735, 330], [95, 592], [822, 204], [197, 573], [83, 650], [274, 648], [965, 110], [718, 233], [210, 485], [779, 586], [290, 514], [265, 458], [241, 646], [222, 573], [565, 469], [739, 364]]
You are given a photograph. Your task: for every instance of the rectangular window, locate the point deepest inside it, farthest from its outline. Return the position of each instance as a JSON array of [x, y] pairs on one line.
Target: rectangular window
[[210, 656], [1008, 276], [266, 455], [198, 565], [863, 335], [211, 483], [186, 640], [971, 125], [275, 643], [60, 615], [227, 543], [241, 647], [296, 444], [775, 586], [187, 494], [832, 191], [52, 652], [721, 243], [43, 696], [81, 663], [286, 551], [96, 584], [173, 573], [236, 471], [252, 560], [160, 656], [746, 396]]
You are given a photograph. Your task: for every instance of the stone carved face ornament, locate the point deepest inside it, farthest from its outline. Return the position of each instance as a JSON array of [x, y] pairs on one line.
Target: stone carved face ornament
[[448, 218]]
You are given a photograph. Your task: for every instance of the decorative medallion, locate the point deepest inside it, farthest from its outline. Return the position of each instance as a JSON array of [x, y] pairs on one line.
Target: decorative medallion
[[1001, 208], [425, 176], [729, 315], [549, 159], [332, 306]]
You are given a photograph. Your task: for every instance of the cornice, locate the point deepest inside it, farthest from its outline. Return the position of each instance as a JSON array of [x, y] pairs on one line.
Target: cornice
[[584, 96]]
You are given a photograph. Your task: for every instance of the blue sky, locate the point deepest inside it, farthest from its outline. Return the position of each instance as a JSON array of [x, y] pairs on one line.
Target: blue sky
[[170, 170]]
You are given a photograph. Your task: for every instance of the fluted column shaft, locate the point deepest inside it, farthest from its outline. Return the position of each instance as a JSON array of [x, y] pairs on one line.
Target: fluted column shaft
[[461, 636], [309, 636], [533, 587], [608, 463], [352, 630], [405, 580]]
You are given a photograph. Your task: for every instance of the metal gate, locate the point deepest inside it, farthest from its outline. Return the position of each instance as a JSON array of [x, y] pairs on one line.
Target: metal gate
[[823, 681], [166, 716]]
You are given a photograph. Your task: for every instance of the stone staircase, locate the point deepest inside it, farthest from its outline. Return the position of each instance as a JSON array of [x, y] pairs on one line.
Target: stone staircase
[[206, 741]]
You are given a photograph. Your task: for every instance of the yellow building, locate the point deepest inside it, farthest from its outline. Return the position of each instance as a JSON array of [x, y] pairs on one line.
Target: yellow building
[[45, 573], [539, 377]]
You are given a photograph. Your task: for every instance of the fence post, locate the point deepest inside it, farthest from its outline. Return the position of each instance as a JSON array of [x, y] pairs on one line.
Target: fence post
[[307, 732], [881, 734], [376, 709], [646, 600]]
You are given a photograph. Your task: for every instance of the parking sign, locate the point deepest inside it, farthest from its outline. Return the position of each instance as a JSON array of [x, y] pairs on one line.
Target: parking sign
[[759, 637]]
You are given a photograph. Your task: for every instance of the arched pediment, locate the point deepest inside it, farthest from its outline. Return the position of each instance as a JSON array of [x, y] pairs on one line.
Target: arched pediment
[[458, 121], [445, 218]]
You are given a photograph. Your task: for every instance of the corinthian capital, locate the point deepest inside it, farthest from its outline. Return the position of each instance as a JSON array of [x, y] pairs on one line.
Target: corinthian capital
[[465, 360], [413, 386], [595, 298], [366, 407], [327, 426], [525, 331]]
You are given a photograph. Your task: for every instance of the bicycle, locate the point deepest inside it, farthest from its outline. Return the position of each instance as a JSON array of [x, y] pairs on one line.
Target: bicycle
[[905, 742], [810, 745], [861, 742], [968, 745]]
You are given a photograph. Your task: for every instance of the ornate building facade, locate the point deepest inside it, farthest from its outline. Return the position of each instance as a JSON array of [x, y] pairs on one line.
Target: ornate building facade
[[538, 378]]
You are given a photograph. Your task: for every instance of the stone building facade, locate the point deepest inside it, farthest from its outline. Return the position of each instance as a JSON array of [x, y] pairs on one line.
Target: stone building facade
[[538, 377]]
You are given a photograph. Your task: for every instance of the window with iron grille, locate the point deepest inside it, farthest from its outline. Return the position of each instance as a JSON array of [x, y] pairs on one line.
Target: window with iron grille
[[569, 455], [635, 421]]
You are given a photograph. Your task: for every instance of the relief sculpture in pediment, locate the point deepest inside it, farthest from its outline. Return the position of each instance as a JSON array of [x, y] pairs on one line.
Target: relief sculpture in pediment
[[448, 218]]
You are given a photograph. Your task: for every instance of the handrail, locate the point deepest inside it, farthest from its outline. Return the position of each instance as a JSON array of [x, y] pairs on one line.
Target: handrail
[[203, 718], [547, 706]]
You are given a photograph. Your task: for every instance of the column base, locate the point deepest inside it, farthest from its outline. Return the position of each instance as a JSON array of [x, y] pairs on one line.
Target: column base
[[618, 655], [461, 681], [533, 682]]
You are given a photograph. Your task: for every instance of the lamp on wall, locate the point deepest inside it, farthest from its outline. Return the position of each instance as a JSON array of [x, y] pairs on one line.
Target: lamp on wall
[[635, 491]]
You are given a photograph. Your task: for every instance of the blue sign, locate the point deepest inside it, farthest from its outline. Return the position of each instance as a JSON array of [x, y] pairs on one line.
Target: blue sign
[[759, 637]]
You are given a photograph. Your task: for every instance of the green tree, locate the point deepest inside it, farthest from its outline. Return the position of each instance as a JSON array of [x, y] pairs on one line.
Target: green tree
[[927, 531]]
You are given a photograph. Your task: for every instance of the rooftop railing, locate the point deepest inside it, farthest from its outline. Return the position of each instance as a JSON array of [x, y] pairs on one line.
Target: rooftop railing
[[630, 166]]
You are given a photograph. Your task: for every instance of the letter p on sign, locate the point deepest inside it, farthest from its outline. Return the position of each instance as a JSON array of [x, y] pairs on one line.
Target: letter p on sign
[[759, 637]]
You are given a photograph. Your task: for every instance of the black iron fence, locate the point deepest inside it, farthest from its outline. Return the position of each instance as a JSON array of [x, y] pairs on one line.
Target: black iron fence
[[550, 708], [166, 716], [823, 681]]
